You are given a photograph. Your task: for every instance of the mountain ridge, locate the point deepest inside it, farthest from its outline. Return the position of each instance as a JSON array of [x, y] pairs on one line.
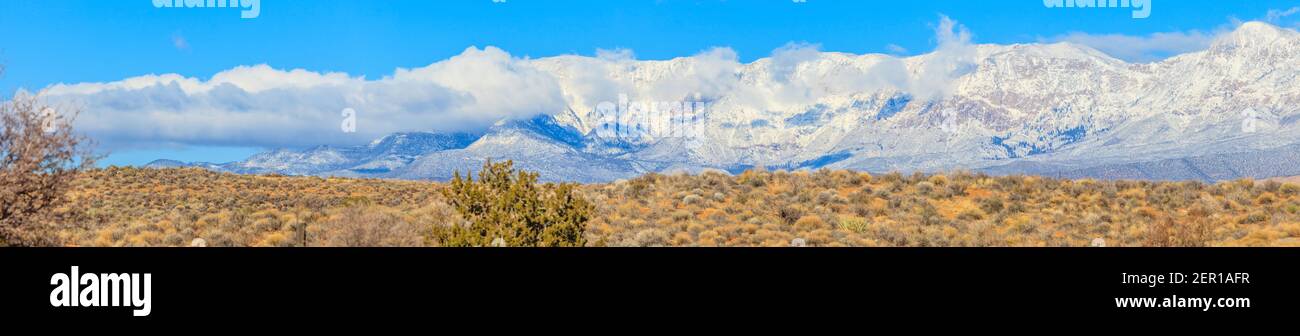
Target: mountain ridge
[[998, 107]]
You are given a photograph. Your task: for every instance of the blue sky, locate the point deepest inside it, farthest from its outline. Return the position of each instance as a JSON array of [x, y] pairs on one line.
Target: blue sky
[[75, 41]]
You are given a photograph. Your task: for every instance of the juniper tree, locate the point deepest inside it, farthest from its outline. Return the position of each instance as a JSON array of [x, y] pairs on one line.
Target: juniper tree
[[512, 205]]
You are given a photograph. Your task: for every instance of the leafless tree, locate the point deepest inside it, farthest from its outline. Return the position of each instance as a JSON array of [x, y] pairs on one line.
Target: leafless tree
[[39, 158]]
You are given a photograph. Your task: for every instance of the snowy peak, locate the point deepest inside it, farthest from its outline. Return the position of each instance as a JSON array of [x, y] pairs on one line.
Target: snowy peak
[[1256, 32], [1035, 108], [419, 143], [542, 127], [1252, 38]]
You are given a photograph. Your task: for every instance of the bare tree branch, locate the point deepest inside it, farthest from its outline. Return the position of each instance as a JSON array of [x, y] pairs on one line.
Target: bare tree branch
[[39, 158]]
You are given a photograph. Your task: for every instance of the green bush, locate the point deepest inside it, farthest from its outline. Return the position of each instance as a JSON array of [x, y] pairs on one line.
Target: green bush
[[511, 205], [854, 224]]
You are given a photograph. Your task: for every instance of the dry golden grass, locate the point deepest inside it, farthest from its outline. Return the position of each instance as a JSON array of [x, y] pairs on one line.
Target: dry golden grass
[[843, 208], [171, 207]]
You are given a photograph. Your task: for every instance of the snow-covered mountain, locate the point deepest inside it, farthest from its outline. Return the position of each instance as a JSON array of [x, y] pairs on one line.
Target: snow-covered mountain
[[1055, 109], [377, 158]]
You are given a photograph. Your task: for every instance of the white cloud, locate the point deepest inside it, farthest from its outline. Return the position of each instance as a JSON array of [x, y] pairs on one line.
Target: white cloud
[[707, 75], [1159, 46], [954, 57], [895, 49], [261, 106], [786, 59], [1149, 48], [1277, 15], [801, 74], [267, 107]]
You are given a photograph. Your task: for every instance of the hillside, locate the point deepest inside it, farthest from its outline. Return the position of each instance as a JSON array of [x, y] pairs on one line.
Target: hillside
[[1287, 179], [172, 207]]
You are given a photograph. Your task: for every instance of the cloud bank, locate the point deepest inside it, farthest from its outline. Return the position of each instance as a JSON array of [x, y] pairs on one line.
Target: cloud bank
[[1149, 48], [1162, 45], [262, 106], [1278, 16]]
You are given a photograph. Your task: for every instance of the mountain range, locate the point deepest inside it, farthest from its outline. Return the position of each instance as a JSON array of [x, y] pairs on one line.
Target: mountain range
[[1061, 109]]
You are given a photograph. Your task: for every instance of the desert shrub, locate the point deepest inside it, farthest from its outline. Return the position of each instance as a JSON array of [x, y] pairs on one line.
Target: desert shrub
[[991, 204], [221, 239], [1193, 233], [368, 226], [753, 179], [277, 239], [1255, 218], [938, 180], [1168, 232], [809, 223], [1267, 198], [790, 214], [681, 216], [854, 224], [511, 205], [174, 239], [892, 178], [649, 238], [826, 197], [692, 199], [925, 188], [971, 214], [1289, 189]]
